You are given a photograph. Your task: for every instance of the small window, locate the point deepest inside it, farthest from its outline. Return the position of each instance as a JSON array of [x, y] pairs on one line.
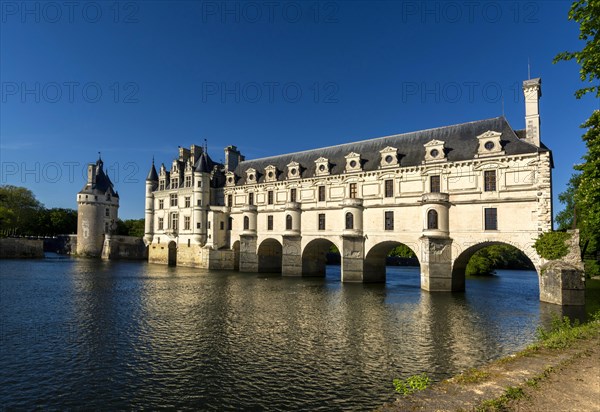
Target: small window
[[199, 202], [107, 212], [229, 200], [174, 221], [251, 198], [288, 222], [173, 200], [389, 188], [270, 222], [174, 183], [246, 223], [221, 225], [434, 184], [188, 181], [389, 220], [432, 219], [489, 178], [161, 223], [230, 223], [186, 222], [321, 193], [349, 221], [187, 201], [321, 221], [208, 224], [198, 225], [270, 197], [491, 218], [353, 190], [292, 195], [161, 185], [189, 242], [161, 204], [199, 183]]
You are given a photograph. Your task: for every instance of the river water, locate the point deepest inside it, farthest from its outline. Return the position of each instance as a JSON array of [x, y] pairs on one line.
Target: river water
[[85, 334]]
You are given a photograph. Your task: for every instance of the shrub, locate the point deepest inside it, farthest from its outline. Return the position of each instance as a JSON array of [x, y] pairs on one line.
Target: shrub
[[412, 384], [552, 245]]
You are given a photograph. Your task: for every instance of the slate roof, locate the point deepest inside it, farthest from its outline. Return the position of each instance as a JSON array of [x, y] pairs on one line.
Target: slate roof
[[103, 184], [152, 175], [460, 140], [204, 164]]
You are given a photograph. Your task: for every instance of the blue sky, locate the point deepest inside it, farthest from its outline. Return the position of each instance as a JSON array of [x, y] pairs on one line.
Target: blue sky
[[137, 79]]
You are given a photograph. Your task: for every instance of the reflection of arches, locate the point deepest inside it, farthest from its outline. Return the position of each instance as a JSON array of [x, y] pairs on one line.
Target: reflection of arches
[[375, 260], [460, 263], [314, 257], [432, 219], [172, 254], [269, 256], [236, 255]]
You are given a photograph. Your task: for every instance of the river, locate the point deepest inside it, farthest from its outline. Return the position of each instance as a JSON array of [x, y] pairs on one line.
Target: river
[[86, 334]]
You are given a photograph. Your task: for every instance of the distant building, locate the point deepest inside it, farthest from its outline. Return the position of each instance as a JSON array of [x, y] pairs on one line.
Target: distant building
[[97, 211], [444, 192]]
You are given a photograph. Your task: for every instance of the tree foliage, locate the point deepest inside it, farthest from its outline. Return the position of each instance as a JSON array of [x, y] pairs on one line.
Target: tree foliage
[[484, 261], [402, 251], [587, 14], [18, 210], [583, 193], [552, 245], [131, 227]]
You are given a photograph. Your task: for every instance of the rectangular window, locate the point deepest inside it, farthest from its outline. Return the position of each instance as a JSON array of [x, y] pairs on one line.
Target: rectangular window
[[198, 225], [174, 221], [489, 178], [321, 193], [199, 202], [161, 185], [161, 204], [107, 212], [208, 224], [321, 221], [491, 218], [222, 225], [199, 183], [292, 195], [161, 223], [173, 200], [270, 222], [230, 223], [229, 200], [188, 181], [250, 198], [175, 183], [434, 184], [389, 188], [352, 190], [389, 220], [187, 201], [186, 222], [270, 197]]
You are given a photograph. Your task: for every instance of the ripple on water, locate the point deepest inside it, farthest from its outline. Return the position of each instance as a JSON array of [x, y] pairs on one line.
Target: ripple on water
[[82, 334]]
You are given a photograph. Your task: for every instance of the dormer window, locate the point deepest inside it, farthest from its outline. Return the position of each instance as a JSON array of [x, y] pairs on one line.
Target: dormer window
[[389, 157], [229, 179], [251, 176], [270, 173], [293, 170], [353, 162], [435, 151], [322, 166], [489, 144]]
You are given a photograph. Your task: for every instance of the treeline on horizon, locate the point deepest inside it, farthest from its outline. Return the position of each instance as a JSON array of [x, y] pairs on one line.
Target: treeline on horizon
[[21, 214]]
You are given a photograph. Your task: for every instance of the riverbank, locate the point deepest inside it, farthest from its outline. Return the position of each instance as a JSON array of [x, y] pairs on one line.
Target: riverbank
[[561, 372]]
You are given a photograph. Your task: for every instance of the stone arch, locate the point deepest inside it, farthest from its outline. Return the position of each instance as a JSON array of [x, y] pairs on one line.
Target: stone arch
[[236, 255], [314, 257], [172, 253], [459, 264], [375, 260], [270, 253]]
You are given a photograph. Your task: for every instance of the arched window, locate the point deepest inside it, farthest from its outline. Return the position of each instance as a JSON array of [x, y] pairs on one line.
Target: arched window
[[246, 223], [288, 222], [349, 221], [432, 219]]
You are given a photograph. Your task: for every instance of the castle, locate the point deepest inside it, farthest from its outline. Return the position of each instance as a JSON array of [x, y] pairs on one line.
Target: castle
[[444, 192]]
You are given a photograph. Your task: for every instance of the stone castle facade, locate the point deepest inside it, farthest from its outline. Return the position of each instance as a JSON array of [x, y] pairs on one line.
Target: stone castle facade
[[444, 192]]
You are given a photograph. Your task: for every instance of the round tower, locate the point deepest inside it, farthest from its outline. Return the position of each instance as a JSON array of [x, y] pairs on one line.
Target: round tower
[[151, 185], [97, 211]]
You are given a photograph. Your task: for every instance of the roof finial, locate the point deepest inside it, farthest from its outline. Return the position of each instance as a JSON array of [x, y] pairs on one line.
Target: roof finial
[[99, 156], [152, 160], [205, 146]]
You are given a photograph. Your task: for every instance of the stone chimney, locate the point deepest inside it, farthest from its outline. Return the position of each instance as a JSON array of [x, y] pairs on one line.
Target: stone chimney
[[91, 175], [232, 158], [532, 89]]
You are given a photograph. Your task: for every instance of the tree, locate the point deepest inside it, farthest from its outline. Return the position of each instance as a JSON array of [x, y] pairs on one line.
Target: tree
[[18, 210], [566, 217], [587, 14], [583, 192]]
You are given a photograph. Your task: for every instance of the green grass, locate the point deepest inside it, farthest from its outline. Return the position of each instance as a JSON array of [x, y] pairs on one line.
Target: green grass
[[412, 384], [472, 375]]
